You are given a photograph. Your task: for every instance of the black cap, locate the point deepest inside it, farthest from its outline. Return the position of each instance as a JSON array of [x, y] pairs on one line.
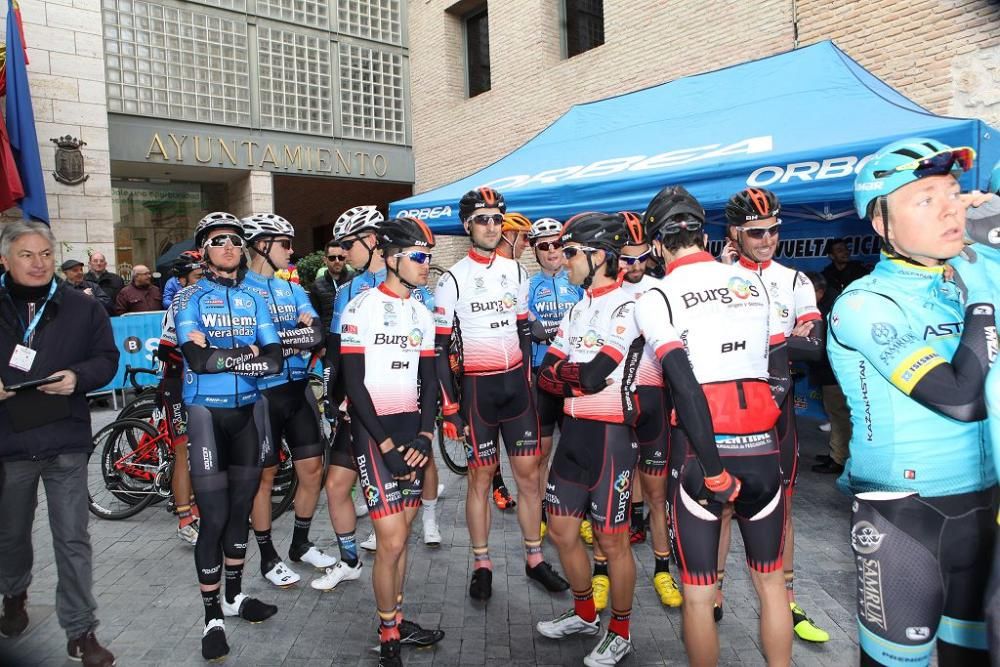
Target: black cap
[[70, 264]]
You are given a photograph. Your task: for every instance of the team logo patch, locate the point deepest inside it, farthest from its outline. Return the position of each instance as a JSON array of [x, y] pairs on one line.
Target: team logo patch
[[865, 538], [739, 287], [416, 338], [590, 339], [883, 333], [509, 300], [621, 483], [349, 328]]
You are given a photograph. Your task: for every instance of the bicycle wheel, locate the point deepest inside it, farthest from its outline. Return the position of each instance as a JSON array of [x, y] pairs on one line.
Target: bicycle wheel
[[139, 404], [128, 457], [285, 483], [453, 453]]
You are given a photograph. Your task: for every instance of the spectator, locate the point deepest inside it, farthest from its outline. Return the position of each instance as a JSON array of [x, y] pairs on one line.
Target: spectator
[[821, 375], [140, 295], [842, 270], [324, 288], [73, 271], [111, 283], [45, 432]]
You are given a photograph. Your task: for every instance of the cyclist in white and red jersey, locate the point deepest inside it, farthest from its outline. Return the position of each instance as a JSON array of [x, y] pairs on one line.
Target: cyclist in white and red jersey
[[753, 220], [720, 316], [387, 364], [483, 299]]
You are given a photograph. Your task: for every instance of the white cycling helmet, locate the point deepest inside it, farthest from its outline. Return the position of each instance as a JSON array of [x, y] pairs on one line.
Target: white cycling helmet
[[266, 224], [355, 221], [214, 221], [545, 227]]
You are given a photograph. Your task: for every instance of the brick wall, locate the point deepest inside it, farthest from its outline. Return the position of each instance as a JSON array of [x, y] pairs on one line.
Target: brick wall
[[65, 46]]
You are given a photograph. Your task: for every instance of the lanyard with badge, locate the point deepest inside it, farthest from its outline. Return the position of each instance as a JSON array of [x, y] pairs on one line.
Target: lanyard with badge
[[24, 356]]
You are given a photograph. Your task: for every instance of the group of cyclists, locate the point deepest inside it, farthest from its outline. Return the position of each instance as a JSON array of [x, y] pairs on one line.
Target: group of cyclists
[[653, 360]]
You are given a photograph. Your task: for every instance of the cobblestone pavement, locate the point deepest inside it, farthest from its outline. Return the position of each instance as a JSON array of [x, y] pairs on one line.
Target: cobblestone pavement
[[151, 613]]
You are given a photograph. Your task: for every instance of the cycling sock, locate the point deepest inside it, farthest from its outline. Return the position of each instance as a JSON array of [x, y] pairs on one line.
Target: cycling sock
[[348, 545], [583, 605], [185, 516], [790, 585], [300, 531], [399, 609], [498, 480], [268, 556], [481, 558], [661, 562], [430, 506], [533, 552], [388, 628], [638, 519], [721, 574], [194, 510], [619, 622], [600, 566], [213, 604], [234, 581]]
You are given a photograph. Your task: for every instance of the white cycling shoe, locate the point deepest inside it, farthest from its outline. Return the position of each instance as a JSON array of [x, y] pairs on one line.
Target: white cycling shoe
[[612, 649], [314, 557], [281, 575], [566, 624], [336, 574], [368, 544]]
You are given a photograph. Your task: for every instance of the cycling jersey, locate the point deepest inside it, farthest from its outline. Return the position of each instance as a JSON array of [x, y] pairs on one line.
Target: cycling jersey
[[287, 302], [487, 296], [650, 372], [230, 318], [604, 321], [392, 334], [365, 281], [549, 297], [793, 298], [889, 329]]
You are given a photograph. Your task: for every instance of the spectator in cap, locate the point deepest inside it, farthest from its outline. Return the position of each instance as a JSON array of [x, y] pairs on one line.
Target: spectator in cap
[[73, 271]]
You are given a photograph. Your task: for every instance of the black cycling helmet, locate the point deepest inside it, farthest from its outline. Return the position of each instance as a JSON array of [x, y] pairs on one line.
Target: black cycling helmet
[[484, 197], [404, 233], [672, 210], [184, 265], [603, 231], [752, 204]]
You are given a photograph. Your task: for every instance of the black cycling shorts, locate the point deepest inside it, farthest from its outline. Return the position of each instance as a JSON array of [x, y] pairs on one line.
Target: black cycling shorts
[[550, 409], [759, 510], [788, 441], [385, 496], [224, 437], [340, 453], [992, 605], [495, 405], [652, 430], [922, 566], [294, 416], [591, 473]]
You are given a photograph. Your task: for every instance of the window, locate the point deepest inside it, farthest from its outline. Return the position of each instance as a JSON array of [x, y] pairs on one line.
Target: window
[[584, 26], [477, 46]]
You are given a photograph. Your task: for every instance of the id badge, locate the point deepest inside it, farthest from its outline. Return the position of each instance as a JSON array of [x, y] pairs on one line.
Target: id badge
[[23, 358]]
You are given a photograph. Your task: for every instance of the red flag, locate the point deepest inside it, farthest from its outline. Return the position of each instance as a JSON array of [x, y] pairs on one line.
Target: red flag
[[11, 190]]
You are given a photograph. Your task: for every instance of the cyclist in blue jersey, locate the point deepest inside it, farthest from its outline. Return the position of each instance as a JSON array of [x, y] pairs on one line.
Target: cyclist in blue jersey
[[228, 342], [911, 349], [293, 414], [355, 232], [550, 296]]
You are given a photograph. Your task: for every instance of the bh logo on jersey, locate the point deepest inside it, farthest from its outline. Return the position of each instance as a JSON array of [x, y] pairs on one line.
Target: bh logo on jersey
[[740, 288]]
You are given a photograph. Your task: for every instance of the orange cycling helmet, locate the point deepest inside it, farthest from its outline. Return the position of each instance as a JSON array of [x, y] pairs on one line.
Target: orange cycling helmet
[[515, 222], [635, 233]]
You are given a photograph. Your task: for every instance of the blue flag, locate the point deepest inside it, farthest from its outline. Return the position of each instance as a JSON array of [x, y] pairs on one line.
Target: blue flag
[[21, 123]]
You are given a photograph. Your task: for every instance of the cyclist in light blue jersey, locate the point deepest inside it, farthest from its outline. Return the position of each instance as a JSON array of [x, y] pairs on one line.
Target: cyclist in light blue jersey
[[228, 341], [293, 414], [911, 349]]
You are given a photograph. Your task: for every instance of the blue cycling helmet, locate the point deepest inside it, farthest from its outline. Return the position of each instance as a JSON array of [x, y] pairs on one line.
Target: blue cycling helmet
[[995, 179], [903, 162]]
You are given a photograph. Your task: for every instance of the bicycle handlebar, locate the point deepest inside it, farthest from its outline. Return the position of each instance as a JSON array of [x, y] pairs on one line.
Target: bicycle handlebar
[[131, 372]]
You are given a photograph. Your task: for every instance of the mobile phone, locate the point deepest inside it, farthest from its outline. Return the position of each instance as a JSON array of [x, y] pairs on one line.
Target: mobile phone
[[31, 384]]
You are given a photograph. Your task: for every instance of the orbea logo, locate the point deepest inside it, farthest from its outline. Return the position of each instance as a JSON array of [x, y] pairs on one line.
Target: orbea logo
[[833, 167], [430, 213]]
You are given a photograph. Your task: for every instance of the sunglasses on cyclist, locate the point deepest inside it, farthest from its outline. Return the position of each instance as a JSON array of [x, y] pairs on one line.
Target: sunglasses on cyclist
[[336, 258], [935, 165], [569, 252], [347, 244], [284, 243], [758, 233], [496, 219], [220, 241], [632, 260], [416, 256], [546, 246]]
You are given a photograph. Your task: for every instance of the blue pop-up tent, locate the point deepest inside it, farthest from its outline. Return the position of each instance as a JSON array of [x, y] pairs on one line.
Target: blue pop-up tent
[[799, 123]]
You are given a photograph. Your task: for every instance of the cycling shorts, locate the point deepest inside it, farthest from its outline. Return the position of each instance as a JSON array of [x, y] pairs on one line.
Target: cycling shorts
[[294, 416], [340, 453], [550, 409], [386, 496], [652, 430], [170, 401], [495, 405], [922, 565], [993, 604], [759, 510], [591, 473], [224, 437], [788, 441]]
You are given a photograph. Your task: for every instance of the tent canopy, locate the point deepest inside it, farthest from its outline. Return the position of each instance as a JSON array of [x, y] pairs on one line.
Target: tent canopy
[[800, 123]]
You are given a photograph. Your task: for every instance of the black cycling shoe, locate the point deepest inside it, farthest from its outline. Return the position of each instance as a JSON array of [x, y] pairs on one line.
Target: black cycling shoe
[[717, 612], [213, 643], [412, 634], [481, 586], [389, 654], [544, 574]]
